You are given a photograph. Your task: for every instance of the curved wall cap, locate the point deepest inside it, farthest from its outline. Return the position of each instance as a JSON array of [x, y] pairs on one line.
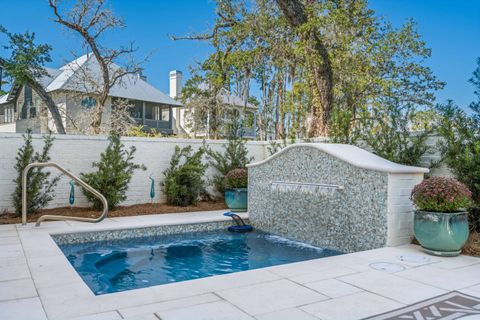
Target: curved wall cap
[[353, 155]]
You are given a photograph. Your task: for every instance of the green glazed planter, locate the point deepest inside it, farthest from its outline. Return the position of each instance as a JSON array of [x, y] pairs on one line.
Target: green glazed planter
[[236, 199], [441, 234]]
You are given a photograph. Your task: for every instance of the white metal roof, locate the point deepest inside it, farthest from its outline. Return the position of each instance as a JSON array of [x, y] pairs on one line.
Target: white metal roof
[[4, 99], [72, 77]]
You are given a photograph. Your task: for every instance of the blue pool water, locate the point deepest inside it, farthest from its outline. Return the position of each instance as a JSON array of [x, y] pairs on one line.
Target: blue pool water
[[119, 265]]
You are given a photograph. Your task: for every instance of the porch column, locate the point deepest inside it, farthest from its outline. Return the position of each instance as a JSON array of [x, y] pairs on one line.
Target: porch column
[[170, 117]]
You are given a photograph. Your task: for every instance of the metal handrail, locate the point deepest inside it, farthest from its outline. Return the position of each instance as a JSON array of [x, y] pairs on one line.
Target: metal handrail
[[55, 217]]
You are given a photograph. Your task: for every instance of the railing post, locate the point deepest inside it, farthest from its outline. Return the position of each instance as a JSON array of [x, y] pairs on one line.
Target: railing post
[[24, 195]]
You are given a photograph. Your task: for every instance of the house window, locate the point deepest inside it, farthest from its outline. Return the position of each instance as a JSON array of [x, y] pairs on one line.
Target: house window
[[137, 109], [152, 111], [156, 112], [89, 102], [166, 114], [8, 114]]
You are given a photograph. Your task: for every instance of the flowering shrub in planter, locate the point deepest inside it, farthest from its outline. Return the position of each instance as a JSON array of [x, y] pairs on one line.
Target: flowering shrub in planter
[[441, 221], [237, 178], [236, 196], [441, 195]]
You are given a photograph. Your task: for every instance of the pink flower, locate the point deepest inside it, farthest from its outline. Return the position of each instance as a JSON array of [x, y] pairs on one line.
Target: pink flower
[[441, 194]]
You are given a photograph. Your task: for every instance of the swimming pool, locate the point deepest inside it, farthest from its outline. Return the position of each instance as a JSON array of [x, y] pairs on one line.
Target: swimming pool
[[132, 263]]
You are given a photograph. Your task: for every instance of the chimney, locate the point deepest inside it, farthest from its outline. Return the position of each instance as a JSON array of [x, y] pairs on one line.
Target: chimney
[[140, 75], [176, 78]]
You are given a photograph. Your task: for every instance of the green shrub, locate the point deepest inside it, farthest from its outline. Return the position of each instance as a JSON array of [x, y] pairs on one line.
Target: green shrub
[[275, 146], [113, 174], [141, 131], [183, 182], [237, 178], [235, 155], [460, 145], [388, 133], [40, 187], [440, 194], [460, 149]]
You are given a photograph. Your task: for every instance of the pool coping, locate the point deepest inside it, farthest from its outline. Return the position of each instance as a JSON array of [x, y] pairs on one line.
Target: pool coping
[[63, 294]]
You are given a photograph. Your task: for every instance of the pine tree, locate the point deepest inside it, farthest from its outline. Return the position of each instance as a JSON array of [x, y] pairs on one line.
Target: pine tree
[[235, 156], [40, 187], [114, 172], [183, 184]]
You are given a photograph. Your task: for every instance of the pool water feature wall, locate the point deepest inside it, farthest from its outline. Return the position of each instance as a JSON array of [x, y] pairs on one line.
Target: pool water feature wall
[[361, 203]]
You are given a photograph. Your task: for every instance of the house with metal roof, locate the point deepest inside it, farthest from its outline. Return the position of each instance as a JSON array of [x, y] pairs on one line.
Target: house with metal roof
[[73, 87], [235, 108]]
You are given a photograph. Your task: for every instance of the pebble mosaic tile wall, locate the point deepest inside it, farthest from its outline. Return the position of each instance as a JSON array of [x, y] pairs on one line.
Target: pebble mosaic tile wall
[[348, 220], [71, 238]]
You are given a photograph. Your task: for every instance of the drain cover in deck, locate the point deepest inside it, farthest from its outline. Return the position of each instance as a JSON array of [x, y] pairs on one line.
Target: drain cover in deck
[[387, 267], [414, 258]]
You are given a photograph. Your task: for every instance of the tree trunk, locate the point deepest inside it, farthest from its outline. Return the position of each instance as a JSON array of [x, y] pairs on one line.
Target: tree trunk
[[96, 122], [319, 66], [52, 107]]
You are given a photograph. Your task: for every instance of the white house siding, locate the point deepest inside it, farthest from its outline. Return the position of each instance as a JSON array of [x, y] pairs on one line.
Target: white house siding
[[43, 122], [76, 111], [76, 153]]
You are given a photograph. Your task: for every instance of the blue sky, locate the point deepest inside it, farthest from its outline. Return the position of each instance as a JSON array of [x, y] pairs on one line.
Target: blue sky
[[450, 27]]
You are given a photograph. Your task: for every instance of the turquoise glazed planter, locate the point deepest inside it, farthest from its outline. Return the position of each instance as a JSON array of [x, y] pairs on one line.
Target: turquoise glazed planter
[[441, 234], [236, 199]]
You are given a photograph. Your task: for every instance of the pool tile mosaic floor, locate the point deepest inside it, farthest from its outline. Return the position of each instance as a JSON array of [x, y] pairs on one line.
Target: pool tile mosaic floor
[[453, 305], [38, 282]]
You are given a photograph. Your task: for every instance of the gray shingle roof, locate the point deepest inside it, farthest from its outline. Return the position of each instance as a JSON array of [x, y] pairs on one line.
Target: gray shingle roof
[[72, 77]]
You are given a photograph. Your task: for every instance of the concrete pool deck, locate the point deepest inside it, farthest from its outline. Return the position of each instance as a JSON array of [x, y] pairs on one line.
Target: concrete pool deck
[[38, 282]]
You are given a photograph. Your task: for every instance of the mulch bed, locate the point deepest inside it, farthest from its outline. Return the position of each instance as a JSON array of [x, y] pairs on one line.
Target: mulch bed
[[122, 211], [473, 245]]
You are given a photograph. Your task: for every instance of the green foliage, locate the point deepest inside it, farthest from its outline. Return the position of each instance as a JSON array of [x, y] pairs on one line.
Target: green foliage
[[113, 174], [440, 194], [140, 131], [275, 146], [27, 58], [237, 178], [372, 62], [389, 135], [183, 184], [460, 144], [234, 156], [40, 187]]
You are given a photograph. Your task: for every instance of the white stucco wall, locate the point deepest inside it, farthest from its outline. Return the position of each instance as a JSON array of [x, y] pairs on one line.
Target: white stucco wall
[[76, 153]]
